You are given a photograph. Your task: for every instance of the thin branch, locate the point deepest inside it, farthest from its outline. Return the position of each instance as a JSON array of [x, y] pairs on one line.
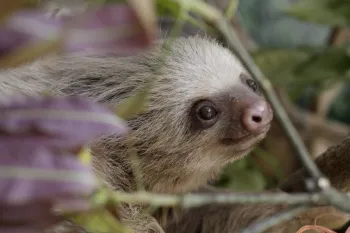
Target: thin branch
[[195, 200], [281, 115], [335, 198]]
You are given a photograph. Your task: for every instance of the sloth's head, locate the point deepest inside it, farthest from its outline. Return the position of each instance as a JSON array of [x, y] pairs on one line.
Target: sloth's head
[[204, 110]]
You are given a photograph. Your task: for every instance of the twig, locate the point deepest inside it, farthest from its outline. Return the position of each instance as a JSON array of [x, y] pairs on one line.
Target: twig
[[281, 115], [265, 224], [135, 163], [194, 200], [335, 198]]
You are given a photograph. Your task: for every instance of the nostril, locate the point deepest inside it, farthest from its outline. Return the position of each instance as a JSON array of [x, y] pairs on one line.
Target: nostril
[[257, 119]]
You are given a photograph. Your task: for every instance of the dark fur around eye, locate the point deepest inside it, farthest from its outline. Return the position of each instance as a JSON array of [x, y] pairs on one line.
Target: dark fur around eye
[[204, 114]]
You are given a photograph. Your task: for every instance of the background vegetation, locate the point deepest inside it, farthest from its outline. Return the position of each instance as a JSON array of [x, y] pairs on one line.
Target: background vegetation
[[301, 47]]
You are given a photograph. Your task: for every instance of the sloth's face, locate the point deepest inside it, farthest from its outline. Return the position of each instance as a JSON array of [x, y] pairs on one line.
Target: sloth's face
[[234, 120]]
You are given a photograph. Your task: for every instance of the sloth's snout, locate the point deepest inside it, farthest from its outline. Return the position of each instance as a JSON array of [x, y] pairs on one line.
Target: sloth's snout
[[256, 116]]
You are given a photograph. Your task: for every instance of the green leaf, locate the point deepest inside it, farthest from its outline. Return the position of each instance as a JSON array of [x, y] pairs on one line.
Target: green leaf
[[250, 180], [100, 197], [167, 7], [99, 221], [304, 66], [278, 64], [272, 161], [85, 156], [197, 6], [236, 166], [329, 12], [329, 63]]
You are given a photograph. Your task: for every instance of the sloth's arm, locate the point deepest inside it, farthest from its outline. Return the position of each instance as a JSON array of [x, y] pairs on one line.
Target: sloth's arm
[[335, 164]]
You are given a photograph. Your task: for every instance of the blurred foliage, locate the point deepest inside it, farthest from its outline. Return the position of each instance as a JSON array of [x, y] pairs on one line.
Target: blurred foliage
[[100, 220], [8, 7], [270, 26], [303, 68], [340, 109], [300, 67], [295, 69], [330, 12], [245, 175]]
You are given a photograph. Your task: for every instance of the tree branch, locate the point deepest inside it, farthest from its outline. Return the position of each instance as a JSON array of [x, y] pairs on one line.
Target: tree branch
[[195, 200]]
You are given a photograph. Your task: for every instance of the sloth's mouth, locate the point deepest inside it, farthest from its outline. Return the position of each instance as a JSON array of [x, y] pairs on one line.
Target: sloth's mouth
[[250, 139]]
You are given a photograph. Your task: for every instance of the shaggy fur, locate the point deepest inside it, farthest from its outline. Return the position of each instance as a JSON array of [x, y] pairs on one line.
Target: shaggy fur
[[173, 157]]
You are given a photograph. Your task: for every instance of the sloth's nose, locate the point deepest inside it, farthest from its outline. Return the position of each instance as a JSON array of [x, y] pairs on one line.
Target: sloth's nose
[[256, 116]]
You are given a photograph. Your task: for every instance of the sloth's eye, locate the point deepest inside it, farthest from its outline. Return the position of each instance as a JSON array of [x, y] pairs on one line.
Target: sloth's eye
[[252, 84], [204, 114], [207, 112]]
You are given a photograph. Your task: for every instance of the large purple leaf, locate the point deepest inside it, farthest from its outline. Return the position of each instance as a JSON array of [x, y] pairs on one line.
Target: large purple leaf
[[113, 28], [38, 171], [56, 122], [33, 172], [32, 212], [33, 217]]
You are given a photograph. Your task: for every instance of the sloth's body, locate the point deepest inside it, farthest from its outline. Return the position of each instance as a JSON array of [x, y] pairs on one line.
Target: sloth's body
[[204, 112]]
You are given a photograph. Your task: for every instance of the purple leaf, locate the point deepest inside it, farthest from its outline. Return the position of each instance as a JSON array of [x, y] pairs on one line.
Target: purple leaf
[[11, 39], [56, 122], [111, 28], [32, 217], [37, 136], [38, 172], [32, 172], [33, 212]]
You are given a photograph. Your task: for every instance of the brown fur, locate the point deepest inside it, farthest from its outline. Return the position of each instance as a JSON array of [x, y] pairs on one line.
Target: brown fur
[[173, 157]]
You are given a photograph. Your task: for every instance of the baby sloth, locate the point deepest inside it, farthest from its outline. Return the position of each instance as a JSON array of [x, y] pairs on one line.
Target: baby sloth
[[204, 111]]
